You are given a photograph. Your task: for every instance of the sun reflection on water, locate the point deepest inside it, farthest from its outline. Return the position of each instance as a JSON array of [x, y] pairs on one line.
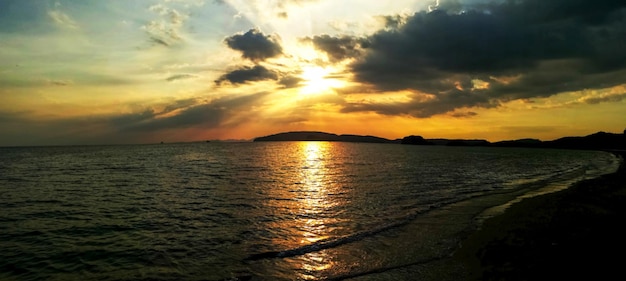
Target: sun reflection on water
[[305, 210], [313, 203], [312, 199]]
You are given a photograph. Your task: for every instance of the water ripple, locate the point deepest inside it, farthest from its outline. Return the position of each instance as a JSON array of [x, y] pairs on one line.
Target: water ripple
[[261, 211]]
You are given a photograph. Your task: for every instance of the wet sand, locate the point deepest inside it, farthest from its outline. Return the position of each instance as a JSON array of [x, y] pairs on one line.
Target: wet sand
[[578, 233]]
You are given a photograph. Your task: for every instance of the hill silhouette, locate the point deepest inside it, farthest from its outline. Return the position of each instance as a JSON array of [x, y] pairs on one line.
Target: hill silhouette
[[599, 140], [321, 136]]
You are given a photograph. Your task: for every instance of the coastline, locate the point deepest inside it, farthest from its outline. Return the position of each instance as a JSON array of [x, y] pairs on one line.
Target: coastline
[[573, 233]]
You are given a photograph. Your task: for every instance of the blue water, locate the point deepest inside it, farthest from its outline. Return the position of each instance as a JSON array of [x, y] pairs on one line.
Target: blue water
[[253, 211]]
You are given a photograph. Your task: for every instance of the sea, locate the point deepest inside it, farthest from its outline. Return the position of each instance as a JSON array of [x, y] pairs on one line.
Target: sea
[[260, 210]]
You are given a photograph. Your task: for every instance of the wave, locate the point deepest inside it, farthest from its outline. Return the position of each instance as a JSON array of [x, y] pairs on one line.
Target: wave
[[410, 216], [335, 242]]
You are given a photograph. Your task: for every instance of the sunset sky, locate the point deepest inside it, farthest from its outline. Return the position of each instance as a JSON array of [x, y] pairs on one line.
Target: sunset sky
[[143, 71]]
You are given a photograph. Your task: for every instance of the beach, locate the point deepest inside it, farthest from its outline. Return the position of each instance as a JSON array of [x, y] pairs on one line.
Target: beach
[[577, 233]]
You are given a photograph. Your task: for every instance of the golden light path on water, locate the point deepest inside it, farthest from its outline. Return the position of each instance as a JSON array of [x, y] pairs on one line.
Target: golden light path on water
[[307, 208], [312, 182], [314, 177], [312, 213]]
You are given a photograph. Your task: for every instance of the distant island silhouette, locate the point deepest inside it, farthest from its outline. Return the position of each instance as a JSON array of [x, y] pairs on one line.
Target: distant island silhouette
[[321, 136], [599, 140]]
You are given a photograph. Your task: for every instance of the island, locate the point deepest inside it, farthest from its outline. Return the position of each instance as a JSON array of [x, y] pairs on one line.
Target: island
[[321, 136], [599, 140]]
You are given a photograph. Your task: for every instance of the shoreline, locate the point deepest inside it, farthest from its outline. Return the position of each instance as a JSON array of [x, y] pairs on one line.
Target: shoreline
[[572, 233], [457, 252], [440, 244]]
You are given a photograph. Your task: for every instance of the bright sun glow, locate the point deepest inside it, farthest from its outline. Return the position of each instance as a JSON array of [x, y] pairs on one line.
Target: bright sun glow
[[317, 81]]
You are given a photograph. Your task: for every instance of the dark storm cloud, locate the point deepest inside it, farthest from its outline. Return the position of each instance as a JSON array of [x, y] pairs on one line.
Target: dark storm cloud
[[432, 45], [254, 45], [248, 74], [585, 11], [337, 48], [394, 21], [548, 46]]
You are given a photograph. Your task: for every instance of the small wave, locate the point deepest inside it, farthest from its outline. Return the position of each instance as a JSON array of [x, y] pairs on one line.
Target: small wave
[[385, 269], [335, 242], [14, 179]]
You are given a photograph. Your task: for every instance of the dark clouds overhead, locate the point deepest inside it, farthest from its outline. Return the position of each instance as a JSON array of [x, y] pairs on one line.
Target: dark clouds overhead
[[248, 74], [337, 48], [255, 45], [522, 49]]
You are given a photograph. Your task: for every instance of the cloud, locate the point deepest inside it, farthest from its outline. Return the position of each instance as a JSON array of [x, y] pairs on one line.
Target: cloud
[[254, 45], [166, 30], [27, 128], [425, 105], [290, 81], [186, 114], [257, 47], [463, 54], [464, 114], [337, 48], [206, 116], [62, 19], [177, 77], [608, 98], [179, 104], [615, 94], [298, 2], [56, 82], [246, 74], [131, 119], [393, 21], [159, 9]]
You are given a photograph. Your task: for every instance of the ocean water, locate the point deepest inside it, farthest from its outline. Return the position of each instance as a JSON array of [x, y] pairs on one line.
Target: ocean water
[[257, 211]]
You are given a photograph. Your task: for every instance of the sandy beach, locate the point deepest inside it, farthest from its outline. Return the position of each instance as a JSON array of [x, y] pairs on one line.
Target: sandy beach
[[576, 233]]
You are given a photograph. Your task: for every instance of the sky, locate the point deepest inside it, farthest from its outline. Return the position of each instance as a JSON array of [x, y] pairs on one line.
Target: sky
[[146, 71]]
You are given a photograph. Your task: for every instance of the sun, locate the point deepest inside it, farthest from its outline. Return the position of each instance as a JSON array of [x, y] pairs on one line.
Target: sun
[[318, 80]]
